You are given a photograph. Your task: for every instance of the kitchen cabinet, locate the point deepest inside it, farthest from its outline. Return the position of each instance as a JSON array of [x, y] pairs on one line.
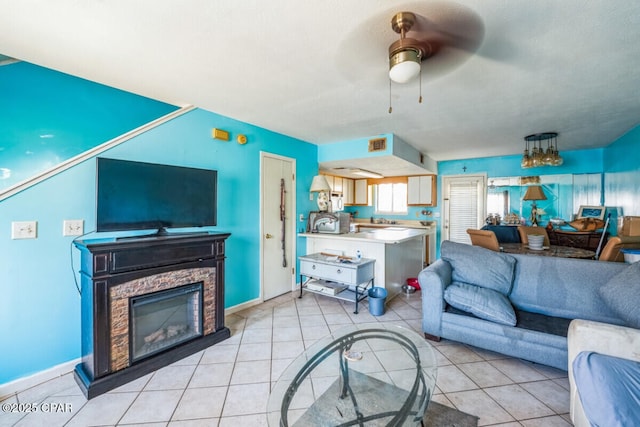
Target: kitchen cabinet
[[361, 192], [421, 190], [329, 179], [348, 191], [337, 184]]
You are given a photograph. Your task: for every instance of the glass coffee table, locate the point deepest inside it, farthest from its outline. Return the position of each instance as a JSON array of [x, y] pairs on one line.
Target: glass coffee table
[[374, 375]]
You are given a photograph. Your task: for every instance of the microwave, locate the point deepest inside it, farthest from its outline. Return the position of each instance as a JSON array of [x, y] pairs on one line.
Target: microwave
[[329, 222]]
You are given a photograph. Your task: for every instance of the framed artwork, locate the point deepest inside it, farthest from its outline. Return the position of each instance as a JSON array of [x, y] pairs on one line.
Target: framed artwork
[[596, 212]]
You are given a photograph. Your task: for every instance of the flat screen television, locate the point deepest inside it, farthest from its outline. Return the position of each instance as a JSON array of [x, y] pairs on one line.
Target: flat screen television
[[139, 196]]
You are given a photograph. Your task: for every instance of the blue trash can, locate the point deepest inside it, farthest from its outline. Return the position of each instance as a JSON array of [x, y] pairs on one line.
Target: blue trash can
[[377, 298]]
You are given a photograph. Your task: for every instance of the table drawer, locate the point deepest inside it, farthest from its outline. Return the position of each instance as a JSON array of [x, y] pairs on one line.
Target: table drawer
[[336, 273]]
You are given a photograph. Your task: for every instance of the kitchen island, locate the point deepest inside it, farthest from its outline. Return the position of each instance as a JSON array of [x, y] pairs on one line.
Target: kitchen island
[[398, 252]]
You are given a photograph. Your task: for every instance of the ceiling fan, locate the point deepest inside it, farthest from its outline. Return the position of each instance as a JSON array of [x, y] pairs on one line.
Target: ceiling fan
[[434, 38], [422, 38]]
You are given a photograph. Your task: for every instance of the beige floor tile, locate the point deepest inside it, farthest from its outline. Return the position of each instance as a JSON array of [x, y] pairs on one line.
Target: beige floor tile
[[171, 378], [253, 336], [287, 334], [246, 399], [200, 403], [152, 406], [311, 320], [517, 370], [213, 375], [285, 322], [257, 351], [554, 421], [478, 403], [260, 321], [251, 372], [259, 420], [518, 402], [203, 422], [220, 354], [286, 349], [452, 379], [551, 394], [337, 319], [278, 366], [459, 353], [484, 374], [315, 332]]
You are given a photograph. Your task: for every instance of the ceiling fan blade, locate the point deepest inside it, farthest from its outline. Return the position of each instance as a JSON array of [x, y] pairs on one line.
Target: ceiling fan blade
[[453, 32]]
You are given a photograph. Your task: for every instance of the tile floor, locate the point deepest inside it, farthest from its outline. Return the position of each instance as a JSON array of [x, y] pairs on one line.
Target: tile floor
[[228, 384]]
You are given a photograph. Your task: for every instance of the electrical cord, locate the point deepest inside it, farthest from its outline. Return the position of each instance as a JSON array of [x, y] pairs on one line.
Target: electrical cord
[[73, 269]]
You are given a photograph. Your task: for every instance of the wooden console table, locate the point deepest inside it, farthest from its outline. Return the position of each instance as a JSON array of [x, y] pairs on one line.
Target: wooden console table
[[348, 275]]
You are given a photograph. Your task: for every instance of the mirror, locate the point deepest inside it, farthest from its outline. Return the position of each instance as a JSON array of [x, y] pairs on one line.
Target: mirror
[[565, 193]]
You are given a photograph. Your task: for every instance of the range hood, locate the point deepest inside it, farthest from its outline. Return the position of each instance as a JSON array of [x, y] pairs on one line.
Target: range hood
[[362, 158]]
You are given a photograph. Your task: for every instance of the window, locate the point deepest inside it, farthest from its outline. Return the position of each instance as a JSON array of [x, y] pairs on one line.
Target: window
[[498, 203], [391, 198]]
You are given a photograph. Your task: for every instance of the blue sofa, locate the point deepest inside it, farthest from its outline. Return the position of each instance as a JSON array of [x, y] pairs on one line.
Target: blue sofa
[[545, 294]]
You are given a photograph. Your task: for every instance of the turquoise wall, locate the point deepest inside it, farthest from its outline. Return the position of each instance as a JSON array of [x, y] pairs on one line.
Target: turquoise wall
[[48, 117], [622, 174], [40, 305]]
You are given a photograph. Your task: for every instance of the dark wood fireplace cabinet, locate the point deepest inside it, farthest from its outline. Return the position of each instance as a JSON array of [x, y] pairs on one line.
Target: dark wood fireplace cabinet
[[146, 303]]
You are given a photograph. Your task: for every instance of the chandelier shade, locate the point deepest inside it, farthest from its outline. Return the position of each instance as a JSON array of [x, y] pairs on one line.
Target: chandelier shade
[[538, 156]]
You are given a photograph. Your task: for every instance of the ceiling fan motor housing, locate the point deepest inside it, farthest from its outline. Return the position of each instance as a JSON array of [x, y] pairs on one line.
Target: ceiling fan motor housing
[[408, 51]]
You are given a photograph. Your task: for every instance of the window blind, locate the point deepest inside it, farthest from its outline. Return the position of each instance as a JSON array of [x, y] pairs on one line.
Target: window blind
[[465, 204]]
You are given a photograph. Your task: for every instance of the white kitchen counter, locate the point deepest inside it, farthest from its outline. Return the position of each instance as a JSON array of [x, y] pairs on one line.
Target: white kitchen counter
[[389, 235]]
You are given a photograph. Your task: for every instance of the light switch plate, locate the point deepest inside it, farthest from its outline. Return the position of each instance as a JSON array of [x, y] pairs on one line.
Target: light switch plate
[[24, 230], [73, 227]]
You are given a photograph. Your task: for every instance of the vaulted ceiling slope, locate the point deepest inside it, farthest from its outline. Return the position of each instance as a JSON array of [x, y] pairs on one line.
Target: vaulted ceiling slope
[[317, 70]]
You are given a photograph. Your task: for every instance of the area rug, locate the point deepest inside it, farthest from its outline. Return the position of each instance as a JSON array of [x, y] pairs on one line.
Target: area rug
[[442, 416]]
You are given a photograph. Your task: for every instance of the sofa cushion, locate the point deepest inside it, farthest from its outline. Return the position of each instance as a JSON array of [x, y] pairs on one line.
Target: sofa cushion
[[484, 303], [496, 270], [608, 389], [621, 294]]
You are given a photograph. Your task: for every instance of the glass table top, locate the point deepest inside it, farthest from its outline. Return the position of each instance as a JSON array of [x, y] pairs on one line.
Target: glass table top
[[358, 375]]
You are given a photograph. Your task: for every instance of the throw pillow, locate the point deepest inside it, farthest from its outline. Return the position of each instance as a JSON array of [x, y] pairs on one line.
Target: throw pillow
[[484, 303], [479, 266], [622, 295]]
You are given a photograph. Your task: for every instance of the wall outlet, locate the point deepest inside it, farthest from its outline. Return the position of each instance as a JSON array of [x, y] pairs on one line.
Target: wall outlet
[[73, 227], [24, 230], [301, 218]]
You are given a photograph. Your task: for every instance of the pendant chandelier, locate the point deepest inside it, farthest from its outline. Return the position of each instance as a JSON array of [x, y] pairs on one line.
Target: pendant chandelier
[[538, 156]]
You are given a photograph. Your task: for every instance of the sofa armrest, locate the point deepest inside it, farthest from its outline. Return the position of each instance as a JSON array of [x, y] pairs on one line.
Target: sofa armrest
[[433, 281], [603, 338]]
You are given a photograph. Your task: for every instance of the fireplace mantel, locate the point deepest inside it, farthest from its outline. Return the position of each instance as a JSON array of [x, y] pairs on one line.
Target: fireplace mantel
[[114, 271]]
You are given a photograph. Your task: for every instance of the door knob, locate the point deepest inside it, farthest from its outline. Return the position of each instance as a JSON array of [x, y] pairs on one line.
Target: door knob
[[268, 236]]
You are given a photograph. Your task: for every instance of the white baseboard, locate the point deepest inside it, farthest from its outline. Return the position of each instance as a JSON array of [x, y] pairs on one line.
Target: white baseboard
[[21, 384], [243, 306]]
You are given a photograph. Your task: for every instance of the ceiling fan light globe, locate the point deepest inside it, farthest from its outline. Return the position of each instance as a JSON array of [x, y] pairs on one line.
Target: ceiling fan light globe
[[404, 66]]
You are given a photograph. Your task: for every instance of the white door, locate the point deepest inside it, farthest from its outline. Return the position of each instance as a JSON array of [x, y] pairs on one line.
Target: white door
[[278, 225], [464, 206]]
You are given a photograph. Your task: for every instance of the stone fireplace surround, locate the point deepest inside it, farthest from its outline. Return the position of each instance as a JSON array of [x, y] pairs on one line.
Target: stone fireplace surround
[[114, 271], [119, 296]]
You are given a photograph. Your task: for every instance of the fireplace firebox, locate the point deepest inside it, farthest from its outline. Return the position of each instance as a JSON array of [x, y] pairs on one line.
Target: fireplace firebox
[[147, 303], [164, 319]]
